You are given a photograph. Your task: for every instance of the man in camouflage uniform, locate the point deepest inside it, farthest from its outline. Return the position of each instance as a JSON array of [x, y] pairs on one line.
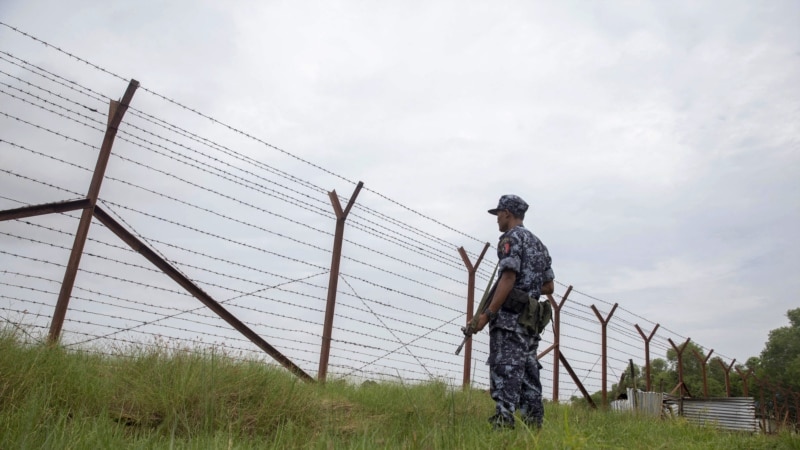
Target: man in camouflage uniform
[[524, 265]]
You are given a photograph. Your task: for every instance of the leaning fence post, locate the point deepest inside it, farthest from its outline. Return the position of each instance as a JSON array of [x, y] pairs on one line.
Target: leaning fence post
[[140, 247], [727, 370], [604, 327], [577, 380], [333, 282], [703, 363], [471, 269], [647, 340], [116, 109], [557, 338]]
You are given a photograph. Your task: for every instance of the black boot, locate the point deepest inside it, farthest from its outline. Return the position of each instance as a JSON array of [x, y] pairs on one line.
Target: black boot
[[499, 422], [532, 423]]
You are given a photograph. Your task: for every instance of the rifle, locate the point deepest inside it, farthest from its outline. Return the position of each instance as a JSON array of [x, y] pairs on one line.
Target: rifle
[[469, 330]]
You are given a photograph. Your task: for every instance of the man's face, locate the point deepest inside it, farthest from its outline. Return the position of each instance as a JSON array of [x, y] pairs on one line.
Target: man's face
[[503, 220]]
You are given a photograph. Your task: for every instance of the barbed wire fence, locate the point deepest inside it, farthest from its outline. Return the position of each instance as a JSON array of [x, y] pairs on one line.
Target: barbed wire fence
[[232, 213]]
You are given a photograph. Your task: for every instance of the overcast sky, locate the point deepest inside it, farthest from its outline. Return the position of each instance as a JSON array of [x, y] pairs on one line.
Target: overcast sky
[[658, 143]]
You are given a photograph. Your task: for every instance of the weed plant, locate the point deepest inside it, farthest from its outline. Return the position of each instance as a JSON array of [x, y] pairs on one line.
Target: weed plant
[[178, 399]]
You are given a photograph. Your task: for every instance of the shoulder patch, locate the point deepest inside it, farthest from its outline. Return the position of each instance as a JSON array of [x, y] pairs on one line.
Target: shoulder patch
[[505, 246]]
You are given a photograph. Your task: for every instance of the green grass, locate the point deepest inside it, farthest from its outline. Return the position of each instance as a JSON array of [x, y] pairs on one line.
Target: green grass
[[54, 399]]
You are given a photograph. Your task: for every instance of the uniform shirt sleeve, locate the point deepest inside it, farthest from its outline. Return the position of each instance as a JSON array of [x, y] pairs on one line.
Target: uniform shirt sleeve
[[509, 252], [542, 267], [509, 255]]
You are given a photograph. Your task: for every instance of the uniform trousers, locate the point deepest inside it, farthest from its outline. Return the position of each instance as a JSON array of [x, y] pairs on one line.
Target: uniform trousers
[[514, 375]]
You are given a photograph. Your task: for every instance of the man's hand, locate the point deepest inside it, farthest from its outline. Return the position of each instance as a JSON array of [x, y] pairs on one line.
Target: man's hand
[[483, 319], [475, 325], [547, 288]]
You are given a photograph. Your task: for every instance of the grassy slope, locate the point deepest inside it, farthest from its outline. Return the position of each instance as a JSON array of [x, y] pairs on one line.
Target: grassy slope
[[50, 398]]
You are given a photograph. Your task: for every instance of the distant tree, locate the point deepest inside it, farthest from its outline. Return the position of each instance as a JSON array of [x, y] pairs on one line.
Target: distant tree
[[664, 373], [753, 363], [780, 359], [662, 377]]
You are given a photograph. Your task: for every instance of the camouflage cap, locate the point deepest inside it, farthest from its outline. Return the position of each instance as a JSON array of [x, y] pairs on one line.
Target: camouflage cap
[[512, 203]]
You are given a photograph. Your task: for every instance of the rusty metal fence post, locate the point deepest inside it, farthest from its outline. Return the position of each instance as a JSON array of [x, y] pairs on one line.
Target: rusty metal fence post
[[557, 338], [116, 111], [647, 340], [558, 355], [703, 363], [679, 351], [333, 281], [727, 372], [765, 412], [91, 209], [744, 375], [471, 270], [604, 352], [781, 403], [140, 247]]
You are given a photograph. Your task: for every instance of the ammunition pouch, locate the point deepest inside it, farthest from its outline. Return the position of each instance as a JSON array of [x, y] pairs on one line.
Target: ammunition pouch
[[516, 301], [534, 315]]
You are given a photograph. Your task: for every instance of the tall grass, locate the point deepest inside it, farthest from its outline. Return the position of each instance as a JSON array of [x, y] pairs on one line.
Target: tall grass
[[51, 398]]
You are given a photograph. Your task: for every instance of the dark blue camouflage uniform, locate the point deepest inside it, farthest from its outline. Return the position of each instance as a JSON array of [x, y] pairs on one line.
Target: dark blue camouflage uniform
[[514, 369]]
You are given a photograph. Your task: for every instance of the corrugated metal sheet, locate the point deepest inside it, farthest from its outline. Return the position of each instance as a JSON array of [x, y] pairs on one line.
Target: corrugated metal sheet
[[733, 413], [621, 405], [649, 403]]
